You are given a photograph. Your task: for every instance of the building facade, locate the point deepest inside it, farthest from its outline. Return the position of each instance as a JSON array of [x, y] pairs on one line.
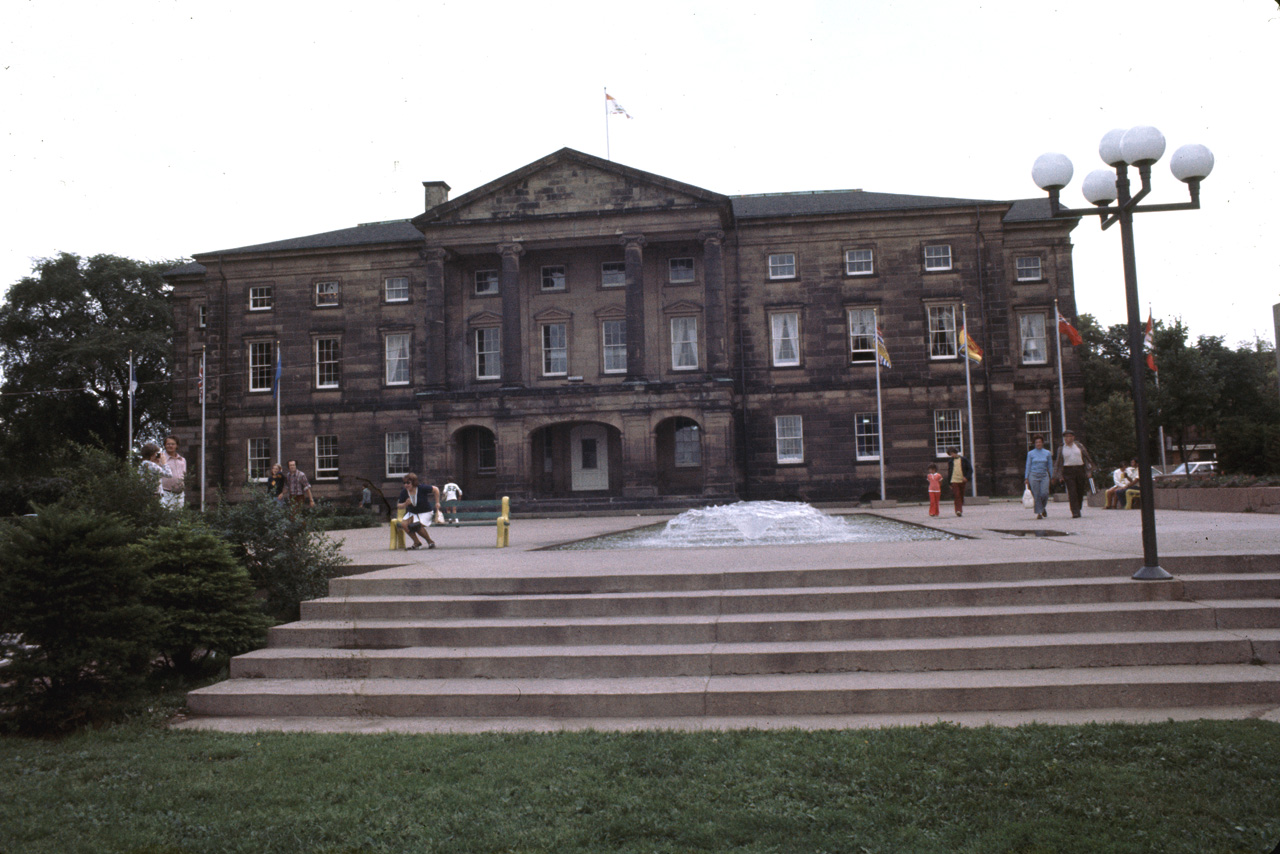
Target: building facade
[[581, 329]]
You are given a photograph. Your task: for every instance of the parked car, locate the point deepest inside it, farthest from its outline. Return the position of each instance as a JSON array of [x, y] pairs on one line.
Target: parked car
[[1195, 467]]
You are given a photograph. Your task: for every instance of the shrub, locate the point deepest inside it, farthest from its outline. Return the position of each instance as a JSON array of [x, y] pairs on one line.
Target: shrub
[[341, 516], [204, 596], [287, 557], [95, 476], [74, 628]]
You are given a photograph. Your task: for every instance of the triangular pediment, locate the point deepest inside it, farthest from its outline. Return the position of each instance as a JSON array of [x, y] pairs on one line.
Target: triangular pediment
[[553, 314], [569, 183], [484, 318], [683, 306], [613, 312]]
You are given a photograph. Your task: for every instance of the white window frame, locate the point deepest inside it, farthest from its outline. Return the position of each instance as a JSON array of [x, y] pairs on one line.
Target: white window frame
[[555, 349], [1039, 422], [681, 271], [682, 344], [1027, 337], [398, 293], [262, 297], [488, 353], [862, 340], [853, 262], [784, 349], [948, 431], [397, 348], [782, 265], [943, 343], [328, 364], [202, 316], [327, 294], [613, 274], [1027, 271], [487, 282], [557, 275], [687, 450], [937, 257], [866, 429], [397, 454], [258, 464], [326, 453], [788, 432], [260, 370], [613, 335]]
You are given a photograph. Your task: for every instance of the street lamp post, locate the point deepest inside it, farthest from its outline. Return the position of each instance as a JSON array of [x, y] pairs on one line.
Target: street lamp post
[[1140, 146]]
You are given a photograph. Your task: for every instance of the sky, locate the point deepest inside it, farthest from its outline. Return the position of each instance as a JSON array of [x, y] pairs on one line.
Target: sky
[[155, 129]]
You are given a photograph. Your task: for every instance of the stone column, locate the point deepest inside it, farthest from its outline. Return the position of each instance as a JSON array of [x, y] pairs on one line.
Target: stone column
[[714, 288], [512, 340], [433, 318], [633, 249]]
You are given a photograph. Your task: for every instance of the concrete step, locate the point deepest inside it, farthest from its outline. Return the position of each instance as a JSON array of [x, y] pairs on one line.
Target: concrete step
[[775, 694], [906, 654], [412, 582], [779, 627], [787, 600]]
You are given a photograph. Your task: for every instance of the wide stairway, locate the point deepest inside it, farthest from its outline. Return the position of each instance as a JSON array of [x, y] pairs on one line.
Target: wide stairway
[[759, 647]]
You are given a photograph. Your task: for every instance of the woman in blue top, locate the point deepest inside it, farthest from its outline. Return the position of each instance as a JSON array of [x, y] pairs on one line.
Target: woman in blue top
[[1038, 474]]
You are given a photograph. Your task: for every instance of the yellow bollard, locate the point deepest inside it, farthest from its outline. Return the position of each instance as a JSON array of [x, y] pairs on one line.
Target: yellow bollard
[[504, 523]]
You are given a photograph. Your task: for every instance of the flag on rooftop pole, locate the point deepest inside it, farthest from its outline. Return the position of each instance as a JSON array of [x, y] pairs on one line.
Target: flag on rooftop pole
[[611, 107], [882, 358], [614, 107]]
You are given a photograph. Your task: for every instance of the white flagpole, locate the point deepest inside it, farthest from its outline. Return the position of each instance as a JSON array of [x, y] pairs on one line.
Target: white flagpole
[[1057, 336], [879, 407], [607, 153], [129, 388], [279, 394], [203, 441], [968, 391]]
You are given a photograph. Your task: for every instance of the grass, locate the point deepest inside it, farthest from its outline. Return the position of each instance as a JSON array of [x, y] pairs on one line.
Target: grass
[[1206, 786]]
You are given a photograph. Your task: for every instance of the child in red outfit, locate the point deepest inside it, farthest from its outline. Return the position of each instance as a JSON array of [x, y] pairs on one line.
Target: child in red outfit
[[935, 489]]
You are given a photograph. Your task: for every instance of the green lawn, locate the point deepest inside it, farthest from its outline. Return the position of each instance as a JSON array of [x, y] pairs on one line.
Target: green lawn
[[1176, 787]]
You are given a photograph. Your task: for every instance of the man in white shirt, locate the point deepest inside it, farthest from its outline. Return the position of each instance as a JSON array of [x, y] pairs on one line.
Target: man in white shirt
[[1073, 465], [173, 489]]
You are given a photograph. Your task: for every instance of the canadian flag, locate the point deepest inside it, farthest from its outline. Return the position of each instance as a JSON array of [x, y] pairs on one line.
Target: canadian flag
[[1149, 343], [1068, 330]]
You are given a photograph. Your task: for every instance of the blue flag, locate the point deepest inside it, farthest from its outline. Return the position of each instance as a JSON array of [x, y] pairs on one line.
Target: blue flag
[[275, 383]]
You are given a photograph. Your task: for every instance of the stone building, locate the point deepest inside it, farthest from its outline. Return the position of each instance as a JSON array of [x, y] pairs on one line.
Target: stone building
[[582, 329]]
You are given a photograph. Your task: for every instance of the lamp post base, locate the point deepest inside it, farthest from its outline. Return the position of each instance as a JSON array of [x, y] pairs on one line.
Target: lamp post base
[[1151, 573]]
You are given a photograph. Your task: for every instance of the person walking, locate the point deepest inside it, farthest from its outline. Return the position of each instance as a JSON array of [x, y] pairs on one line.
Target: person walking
[[1073, 465], [1038, 473], [451, 492], [277, 488], [297, 486], [935, 489], [959, 471]]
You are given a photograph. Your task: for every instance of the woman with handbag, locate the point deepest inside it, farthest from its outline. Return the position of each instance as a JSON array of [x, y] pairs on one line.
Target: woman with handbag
[[419, 508]]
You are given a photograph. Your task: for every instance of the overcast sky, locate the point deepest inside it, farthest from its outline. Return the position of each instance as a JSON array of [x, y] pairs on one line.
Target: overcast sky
[[158, 129]]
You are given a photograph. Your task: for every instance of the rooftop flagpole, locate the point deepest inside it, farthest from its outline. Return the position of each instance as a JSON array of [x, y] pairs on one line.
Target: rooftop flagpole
[[607, 153]]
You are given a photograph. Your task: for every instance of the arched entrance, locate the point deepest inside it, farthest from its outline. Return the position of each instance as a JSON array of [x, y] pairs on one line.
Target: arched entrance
[[576, 458], [678, 443], [476, 450]]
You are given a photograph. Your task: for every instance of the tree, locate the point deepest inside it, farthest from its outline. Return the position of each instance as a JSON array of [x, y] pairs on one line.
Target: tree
[[1186, 398], [65, 336]]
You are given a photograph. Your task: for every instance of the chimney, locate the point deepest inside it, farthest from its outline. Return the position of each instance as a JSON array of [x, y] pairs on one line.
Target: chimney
[[437, 193]]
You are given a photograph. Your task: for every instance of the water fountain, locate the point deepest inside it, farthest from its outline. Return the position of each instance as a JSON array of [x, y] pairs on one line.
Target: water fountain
[[760, 523]]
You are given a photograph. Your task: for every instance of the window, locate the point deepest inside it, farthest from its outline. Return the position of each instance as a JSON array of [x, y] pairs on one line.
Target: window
[[614, 335], [202, 316], [789, 430], [613, 274], [866, 428], [396, 288], [261, 298], [555, 350], [327, 362], [486, 453], [553, 278], [397, 349], [684, 343], [487, 282], [942, 332], [326, 294], [858, 262], [397, 454], [590, 455], [782, 266], [688, 445], [326, 457], [259, 460], [946, 431], [488, 355], [937, 257], [785, 329], [1039, 423], [1031, 328], [261, 370], [1029, 269], [862, 335], [680, 270]]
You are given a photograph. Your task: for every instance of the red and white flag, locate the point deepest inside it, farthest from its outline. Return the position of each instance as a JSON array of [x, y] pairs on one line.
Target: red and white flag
[[1073, 335], [614, 107], [1149, 343]]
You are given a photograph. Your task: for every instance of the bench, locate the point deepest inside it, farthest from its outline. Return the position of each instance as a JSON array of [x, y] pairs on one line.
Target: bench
[[496, 512]]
